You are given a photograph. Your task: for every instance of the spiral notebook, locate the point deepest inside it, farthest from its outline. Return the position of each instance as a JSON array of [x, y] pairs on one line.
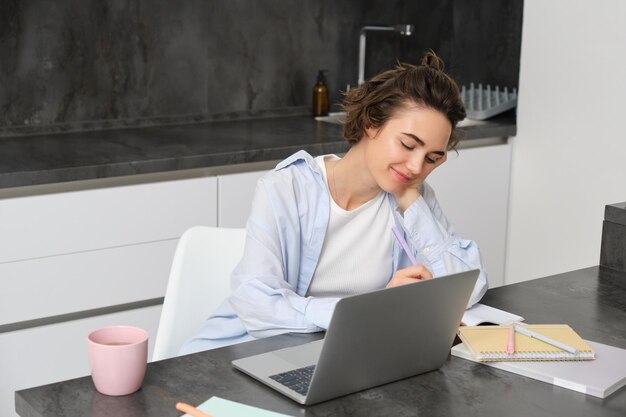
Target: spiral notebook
[[488, 343]]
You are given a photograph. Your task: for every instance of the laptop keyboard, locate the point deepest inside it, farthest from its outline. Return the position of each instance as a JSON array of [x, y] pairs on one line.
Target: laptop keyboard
[[296, 379]]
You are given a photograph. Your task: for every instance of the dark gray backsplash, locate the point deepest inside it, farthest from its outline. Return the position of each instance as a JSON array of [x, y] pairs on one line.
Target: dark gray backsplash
[[86, 63], [479, 40]]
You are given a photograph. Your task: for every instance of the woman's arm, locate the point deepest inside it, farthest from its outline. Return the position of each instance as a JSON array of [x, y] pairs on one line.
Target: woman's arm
[[436, 242], [265, 282]]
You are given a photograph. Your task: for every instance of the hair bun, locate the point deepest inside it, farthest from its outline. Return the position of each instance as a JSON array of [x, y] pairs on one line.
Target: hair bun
[[430, 59]]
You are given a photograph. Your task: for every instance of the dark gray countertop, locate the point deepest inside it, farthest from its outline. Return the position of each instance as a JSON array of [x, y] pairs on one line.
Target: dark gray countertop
[[62, 157], [591, 300]]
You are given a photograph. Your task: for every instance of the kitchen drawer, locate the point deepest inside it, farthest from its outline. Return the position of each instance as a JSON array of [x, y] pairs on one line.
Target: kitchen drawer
[[75, 282], [68, 222], [57, 352], [235, 194]]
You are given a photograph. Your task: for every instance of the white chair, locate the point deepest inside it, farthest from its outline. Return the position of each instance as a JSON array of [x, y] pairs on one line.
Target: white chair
[[199, 281]]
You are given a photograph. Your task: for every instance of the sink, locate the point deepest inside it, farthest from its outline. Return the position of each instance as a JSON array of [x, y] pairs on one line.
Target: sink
[[470, 122], [339, 117]]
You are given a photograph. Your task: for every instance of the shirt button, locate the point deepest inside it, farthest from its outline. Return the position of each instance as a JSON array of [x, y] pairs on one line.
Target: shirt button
[[426, 249]]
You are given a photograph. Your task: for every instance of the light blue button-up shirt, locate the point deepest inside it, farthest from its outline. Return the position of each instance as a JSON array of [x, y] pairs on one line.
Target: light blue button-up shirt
[[284, 237]]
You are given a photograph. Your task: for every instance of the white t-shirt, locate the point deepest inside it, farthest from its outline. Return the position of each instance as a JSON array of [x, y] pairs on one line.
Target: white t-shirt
[[357, 251]]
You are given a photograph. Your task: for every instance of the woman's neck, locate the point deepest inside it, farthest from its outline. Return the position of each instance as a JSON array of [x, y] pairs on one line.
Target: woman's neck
[[350, 180]]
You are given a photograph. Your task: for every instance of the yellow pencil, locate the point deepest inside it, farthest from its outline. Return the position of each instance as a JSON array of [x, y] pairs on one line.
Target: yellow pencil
[[191, 410]]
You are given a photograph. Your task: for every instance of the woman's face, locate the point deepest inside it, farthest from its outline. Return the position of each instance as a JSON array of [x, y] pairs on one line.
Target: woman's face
[[407, 148]]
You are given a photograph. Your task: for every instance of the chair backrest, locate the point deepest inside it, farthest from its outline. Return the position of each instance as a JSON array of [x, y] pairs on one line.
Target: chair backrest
[[199, 281]]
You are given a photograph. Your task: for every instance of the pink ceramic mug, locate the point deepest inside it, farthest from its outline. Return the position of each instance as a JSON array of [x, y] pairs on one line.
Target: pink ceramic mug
[[118, 356]]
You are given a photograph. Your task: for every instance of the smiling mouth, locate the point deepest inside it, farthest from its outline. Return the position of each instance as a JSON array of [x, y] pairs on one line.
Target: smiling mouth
[[401, 177]]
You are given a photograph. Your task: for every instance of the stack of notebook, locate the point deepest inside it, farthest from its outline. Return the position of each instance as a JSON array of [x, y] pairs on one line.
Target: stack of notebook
[[533, 358], [489, 343]]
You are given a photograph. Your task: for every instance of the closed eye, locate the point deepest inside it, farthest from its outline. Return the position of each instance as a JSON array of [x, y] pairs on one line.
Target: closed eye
[[407, 146], [437, 155], [427, 158]]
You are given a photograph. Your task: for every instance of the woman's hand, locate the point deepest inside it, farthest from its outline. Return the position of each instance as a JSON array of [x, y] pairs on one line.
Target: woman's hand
[[409, 275], [407, 197]]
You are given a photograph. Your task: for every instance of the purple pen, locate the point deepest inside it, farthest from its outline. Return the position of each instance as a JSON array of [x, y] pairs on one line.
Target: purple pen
[[404, 245]]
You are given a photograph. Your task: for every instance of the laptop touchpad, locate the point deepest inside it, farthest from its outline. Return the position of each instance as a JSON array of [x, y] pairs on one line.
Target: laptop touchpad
[[302, 355]]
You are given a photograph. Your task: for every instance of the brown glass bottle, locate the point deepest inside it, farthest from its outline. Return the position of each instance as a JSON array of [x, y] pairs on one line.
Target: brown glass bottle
[[320, 95]]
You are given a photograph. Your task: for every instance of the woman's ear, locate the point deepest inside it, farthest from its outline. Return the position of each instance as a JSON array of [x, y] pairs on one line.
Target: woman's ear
[[371, 132]]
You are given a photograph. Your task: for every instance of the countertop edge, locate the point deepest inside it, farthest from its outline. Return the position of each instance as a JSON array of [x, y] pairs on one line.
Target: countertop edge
[[196, 155]]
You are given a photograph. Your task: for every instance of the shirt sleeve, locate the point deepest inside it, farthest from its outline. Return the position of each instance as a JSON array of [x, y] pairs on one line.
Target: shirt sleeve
[[262, 294], [435, 241]]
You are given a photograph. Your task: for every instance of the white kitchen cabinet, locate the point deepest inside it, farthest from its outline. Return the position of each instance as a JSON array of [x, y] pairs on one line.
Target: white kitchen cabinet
[[68, 252], [473, 191], [55, 285], [75, 221], [235, 193], [71, 251]]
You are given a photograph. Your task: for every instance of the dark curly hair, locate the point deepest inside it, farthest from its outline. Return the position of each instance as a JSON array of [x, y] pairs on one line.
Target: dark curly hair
[[373, 103]]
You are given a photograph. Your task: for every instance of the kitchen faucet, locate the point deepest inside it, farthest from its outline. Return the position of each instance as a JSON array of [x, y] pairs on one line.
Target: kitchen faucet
[[406, 30]]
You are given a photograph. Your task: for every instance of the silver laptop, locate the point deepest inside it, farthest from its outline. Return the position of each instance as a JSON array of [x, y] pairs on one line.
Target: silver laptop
[[373, 338]]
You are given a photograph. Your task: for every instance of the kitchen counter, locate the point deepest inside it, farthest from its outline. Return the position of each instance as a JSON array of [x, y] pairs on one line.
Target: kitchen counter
[[65, 157]]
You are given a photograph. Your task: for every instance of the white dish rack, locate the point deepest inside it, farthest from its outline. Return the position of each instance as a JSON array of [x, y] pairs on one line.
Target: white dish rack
[[484, 102]]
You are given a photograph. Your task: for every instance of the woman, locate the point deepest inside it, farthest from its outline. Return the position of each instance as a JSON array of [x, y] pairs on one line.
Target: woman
[[320, 228]]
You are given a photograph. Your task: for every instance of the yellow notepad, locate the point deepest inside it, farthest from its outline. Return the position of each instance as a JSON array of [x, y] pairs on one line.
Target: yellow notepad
[[488, 343]]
